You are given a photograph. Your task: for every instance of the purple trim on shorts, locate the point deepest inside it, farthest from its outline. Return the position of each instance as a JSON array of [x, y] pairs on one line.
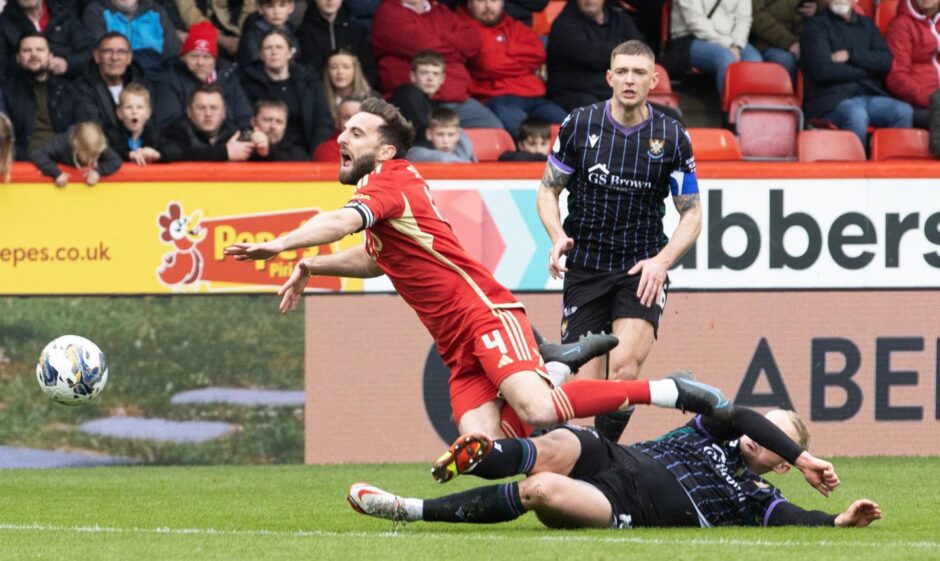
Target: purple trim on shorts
[[557, 163], [621, 128], [770, 509], [701, 429]]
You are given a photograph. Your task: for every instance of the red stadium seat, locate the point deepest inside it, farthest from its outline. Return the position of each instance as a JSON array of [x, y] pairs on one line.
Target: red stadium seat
[[828, 145], [756, 83], [555, 129], [767, 132], [714, 145], [542, 21], [662, 93], [900, 144], [488, 144], [887, 9]]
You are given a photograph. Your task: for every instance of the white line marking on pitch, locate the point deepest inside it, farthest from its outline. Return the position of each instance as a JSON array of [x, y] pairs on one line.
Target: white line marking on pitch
[[396, 535]]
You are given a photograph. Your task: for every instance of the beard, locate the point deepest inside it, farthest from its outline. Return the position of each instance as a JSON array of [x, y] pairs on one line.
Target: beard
[[359, 169]]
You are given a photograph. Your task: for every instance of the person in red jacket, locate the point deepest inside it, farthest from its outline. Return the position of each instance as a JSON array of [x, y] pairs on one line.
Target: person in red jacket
[[912, 37], [411, 26], [504, 73]]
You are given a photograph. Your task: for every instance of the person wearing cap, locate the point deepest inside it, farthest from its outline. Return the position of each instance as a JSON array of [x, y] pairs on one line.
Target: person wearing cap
[[199, 63]]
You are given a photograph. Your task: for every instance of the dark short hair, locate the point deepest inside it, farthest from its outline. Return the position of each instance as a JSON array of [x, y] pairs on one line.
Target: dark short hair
[[30, 35], [633, 47], [287, 37], [429, 57], [271, 104], [397, 130], [204, 88], [534, 127], [112, 35], [443, 117]]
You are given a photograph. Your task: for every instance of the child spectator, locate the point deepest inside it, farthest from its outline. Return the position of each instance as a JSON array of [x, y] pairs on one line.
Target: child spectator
[[448, 142], [134, 137], [534, 144], [83, 146], [6, 147], [271, 14], [343, 77], [414, 99]]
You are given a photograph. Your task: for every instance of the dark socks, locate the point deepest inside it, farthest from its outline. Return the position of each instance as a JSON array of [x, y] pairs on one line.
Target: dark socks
[[612, 425], [509, 456], [483, 505]]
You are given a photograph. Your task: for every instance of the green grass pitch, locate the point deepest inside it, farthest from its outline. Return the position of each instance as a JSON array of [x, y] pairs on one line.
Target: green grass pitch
[[300, 512]]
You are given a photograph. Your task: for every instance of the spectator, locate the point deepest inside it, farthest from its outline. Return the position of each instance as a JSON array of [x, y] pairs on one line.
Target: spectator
[[328, 150], [58, 21], [226, 16], [343, 77], [148, 26], [203, 134], [39, 103], [521, 10], [276, 76], [776, 29], [134, 137], [362, 11], [934, 125], [720, 32], [844, 59], [327, 27], [199, 63], [411, 26], [6, 147], [110, 70], [271, 14], [83, 146], [448, 143], [579, 46], [505, 72], [912, 38], [534, 143], [271, 118]]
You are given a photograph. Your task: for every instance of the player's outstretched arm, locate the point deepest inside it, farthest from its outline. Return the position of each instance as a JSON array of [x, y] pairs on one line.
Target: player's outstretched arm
[[860, 514], [820, 474], [354, 262], [553, 182], [653, 271], [324, 228]]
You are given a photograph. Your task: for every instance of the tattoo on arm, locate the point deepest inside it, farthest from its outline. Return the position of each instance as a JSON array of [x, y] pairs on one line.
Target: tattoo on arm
[[686, 202], [554, 178]]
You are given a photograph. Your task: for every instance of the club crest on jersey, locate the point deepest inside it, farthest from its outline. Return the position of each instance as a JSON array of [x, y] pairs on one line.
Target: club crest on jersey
[[657, 145]]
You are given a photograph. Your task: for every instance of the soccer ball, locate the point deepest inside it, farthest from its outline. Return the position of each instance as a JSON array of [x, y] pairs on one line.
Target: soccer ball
[[72, 370]]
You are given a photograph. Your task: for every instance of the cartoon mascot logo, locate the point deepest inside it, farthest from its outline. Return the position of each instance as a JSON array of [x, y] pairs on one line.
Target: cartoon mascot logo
[[183, 266]]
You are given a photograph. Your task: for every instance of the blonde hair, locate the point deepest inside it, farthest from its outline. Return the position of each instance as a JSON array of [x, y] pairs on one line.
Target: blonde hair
[[359, 84], [88, 142], [134, 88], [6, 147], [800, 427]]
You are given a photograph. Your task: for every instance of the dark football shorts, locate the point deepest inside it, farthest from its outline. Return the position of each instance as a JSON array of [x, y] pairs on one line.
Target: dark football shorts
[[594, 299], [641, 491]]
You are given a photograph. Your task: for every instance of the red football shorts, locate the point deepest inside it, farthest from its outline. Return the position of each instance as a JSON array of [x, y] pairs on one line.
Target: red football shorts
[[499, 346]]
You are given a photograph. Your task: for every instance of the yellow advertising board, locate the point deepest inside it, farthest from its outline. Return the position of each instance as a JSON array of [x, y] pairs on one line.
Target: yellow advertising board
[[152, 237]]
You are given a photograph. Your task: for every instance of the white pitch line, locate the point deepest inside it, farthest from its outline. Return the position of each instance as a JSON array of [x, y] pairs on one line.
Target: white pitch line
[[489, 537]]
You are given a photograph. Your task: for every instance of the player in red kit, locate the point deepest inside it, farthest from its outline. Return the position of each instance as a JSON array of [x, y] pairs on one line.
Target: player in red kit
[[498, 384]]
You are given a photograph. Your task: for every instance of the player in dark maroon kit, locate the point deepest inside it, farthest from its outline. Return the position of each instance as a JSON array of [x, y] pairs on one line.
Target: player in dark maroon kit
[[498, 383]]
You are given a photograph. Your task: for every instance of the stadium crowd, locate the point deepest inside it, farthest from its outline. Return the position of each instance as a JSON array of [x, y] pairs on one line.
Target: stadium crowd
[[275, 80]]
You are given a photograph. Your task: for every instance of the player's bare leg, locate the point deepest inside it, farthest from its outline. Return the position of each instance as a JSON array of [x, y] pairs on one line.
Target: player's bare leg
[[483, 419], [562, 502], [625, 362]]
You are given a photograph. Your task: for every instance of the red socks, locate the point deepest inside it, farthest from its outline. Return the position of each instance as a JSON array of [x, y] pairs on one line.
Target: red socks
[[586, 398]]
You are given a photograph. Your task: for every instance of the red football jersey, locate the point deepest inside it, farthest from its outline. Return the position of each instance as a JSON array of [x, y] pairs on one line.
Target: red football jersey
[[413, 244]]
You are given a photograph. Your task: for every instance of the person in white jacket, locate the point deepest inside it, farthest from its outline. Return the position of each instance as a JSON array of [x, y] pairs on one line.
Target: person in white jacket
[[720, 29]]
